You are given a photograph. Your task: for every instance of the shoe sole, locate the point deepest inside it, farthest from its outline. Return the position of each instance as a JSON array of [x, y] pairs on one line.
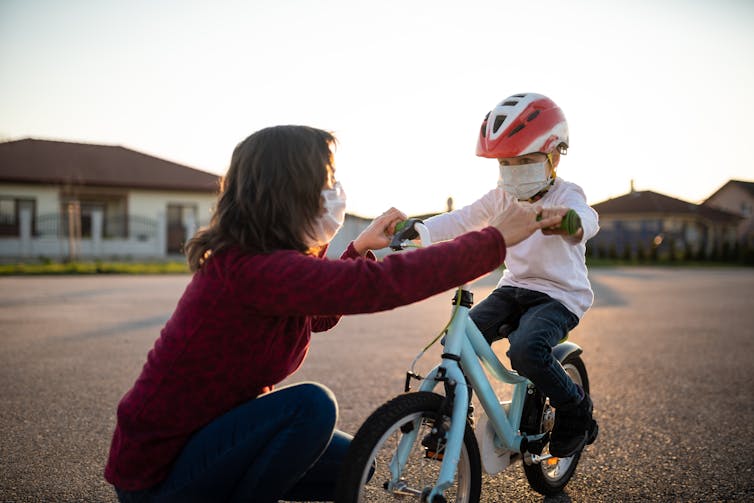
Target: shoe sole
[[593, 431], [573, 452], [589, 437]]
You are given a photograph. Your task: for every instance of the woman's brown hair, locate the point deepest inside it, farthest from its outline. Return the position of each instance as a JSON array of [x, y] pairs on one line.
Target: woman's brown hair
[[270, 195]]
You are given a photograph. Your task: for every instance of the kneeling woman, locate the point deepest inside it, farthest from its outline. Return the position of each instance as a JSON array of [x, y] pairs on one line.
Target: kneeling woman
[[201, 422]]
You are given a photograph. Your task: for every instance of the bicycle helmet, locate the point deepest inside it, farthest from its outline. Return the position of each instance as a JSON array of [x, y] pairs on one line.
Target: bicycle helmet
[[523, 124]]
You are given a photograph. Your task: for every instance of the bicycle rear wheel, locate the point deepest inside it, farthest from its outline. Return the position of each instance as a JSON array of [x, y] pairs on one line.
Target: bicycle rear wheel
[[551, 475], [375, 444]]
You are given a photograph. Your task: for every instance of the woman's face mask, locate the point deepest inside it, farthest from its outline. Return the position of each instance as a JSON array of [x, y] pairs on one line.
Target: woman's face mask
[[331, 220], [523, 181]]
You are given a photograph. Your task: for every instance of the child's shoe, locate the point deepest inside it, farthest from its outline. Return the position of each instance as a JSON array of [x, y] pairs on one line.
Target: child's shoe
[[574, 428]]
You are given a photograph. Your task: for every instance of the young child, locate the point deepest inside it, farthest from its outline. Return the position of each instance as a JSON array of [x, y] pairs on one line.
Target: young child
[[544, 290], [201, 422]]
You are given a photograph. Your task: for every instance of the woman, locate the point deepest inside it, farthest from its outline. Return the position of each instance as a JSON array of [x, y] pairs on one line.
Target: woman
[[202, 423]]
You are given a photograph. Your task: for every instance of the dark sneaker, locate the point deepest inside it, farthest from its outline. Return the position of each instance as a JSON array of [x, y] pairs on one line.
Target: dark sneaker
[[574, 428]]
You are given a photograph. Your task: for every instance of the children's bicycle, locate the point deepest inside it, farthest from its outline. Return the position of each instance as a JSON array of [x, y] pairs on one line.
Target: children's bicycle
[[426, 446]]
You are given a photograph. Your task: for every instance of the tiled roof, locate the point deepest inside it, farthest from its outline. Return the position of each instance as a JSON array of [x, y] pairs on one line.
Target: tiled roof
[[646, 201], [747, 186], [63, 163]]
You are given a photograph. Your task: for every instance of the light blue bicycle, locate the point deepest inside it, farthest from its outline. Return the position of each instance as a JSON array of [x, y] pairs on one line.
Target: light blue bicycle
[[426, 446]]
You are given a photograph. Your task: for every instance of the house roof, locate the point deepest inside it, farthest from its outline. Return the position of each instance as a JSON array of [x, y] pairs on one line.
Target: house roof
[[646, 201], [747, 186], [64, 163]]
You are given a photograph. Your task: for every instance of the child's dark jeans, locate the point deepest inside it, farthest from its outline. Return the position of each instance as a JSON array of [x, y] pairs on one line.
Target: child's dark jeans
[[539, 322]]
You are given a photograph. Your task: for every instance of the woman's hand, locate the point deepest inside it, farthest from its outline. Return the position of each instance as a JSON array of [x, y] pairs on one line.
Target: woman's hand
[[556, 230], [377, 235], [519, 221]]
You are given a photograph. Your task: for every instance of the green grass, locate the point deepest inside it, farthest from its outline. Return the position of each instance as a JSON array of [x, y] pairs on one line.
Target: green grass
[[95, 267]]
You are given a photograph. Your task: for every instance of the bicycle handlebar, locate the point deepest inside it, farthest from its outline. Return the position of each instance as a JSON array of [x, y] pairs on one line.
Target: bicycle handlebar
[[414, 228], [571, 222], [406, 231]]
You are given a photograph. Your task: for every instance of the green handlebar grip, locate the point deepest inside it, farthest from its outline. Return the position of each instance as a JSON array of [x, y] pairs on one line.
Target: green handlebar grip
[[400, 225], [571, 222]]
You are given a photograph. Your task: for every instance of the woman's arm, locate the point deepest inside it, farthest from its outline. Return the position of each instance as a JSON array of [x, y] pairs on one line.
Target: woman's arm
[[290, 283], [324, 323]]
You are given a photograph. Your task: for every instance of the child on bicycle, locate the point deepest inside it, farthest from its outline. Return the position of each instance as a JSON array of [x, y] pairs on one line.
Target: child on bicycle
[[201, 422], [544, 290]]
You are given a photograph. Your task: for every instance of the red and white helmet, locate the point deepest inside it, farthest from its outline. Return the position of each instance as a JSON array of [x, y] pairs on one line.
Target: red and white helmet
[[522, 124]]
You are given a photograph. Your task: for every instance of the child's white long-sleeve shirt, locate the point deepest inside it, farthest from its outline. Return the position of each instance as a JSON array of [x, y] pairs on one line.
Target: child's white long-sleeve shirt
[[553, 265]]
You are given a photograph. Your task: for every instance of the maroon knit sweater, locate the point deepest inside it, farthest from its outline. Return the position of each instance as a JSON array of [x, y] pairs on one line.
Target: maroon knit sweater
[[243, 325]]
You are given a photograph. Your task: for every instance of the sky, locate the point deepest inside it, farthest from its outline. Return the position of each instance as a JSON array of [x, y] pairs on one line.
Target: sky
[[658, 92]]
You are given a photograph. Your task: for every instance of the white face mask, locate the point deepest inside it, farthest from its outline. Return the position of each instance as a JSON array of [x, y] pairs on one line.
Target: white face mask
[[329, 223], [524, 180]]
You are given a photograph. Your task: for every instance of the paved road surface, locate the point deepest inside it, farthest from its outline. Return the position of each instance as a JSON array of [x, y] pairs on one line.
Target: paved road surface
[[670, 355]]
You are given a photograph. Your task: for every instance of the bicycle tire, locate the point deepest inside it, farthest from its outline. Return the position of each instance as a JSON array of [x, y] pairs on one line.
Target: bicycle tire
[[550, 477], [374, 443]]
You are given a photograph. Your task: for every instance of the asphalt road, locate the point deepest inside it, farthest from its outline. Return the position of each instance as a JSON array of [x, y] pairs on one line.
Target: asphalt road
[[669, 353]]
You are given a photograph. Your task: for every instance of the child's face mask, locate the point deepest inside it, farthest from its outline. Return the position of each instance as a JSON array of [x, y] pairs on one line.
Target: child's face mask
[[331, 220], [523, 181]]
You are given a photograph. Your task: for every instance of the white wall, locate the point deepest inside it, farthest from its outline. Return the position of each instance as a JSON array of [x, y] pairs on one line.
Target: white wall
[[149, 203], [47, 197], [145, 203]]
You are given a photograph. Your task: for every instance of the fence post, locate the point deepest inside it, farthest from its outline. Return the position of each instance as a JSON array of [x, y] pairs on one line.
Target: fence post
[[97, 231], [189, 223], [74, 229], [162, 235], [24, 220]]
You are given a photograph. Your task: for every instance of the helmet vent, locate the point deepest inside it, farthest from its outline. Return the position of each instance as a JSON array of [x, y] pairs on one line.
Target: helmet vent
[[532, 116], [517, 129], [510, 103], [498, 122], [519, 96]]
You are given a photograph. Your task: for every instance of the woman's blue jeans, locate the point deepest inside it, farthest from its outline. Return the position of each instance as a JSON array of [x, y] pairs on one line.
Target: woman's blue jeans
[[281, 445], [539, 323]]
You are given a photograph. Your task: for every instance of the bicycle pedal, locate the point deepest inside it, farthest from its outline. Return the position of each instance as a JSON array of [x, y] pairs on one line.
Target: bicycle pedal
[[537, 446], [438, 456], [433, 446]]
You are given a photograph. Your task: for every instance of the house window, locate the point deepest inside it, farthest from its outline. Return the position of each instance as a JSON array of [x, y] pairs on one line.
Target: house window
[[78, 214], [746, 209], [10, 215]]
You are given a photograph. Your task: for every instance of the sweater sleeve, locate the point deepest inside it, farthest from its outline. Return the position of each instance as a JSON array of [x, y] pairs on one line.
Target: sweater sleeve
[[323, 323], [289, 283], [575, 199], [473, 217]]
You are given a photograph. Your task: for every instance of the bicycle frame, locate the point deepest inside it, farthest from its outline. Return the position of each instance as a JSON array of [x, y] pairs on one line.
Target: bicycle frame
[[464, 343], [466, 347]]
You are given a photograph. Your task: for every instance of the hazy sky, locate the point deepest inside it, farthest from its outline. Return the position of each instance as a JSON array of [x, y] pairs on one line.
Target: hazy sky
[[658, 91]]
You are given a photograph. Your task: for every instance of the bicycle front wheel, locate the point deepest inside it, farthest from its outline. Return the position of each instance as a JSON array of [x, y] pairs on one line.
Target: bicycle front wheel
[[366, 473]]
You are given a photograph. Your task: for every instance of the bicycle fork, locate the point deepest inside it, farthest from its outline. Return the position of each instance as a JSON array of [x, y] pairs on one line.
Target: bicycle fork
[[449, 373]]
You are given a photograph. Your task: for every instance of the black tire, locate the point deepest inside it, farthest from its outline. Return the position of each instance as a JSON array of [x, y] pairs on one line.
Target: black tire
[[550, 476], [375, 443]]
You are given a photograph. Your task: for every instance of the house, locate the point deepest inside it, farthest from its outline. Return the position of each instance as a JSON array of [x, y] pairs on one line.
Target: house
[[64, 200], [646, 224], [737, 196]]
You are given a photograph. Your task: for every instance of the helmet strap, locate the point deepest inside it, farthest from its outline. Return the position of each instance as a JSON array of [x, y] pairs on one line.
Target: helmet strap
[[539, 195]]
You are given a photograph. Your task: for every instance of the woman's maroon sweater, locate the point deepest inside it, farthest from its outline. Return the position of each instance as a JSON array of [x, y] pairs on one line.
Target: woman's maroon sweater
[[243, 325]]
